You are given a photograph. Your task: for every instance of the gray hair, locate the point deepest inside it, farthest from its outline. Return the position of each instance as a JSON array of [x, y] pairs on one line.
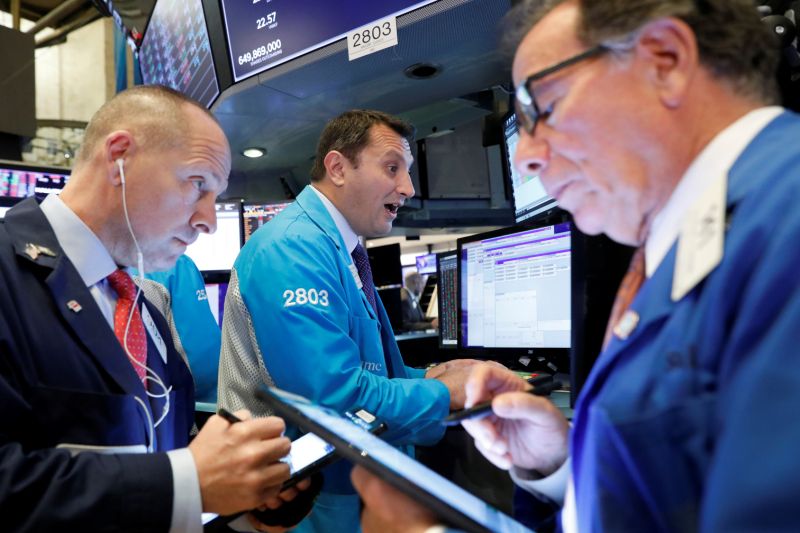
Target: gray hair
[[733, 43]]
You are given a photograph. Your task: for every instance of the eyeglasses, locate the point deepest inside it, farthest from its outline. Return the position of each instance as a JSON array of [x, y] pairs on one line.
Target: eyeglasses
[[527, 110]]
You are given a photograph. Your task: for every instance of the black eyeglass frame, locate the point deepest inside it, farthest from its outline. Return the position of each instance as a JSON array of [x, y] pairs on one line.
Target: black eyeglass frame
[[527, 110]]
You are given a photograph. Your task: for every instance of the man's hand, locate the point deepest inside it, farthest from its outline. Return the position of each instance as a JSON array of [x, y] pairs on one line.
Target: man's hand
[[454, 375], [525, 431], [387, 510], [238, 464], [275, 502]]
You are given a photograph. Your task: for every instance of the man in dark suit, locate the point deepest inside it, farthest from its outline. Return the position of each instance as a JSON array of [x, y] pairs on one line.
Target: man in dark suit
[[89, 377], [413, 315]]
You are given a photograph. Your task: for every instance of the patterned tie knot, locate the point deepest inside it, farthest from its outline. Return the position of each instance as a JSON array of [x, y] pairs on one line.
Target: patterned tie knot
[[123, 284]]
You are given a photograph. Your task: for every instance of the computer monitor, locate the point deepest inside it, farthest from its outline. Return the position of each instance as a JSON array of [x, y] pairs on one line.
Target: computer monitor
[[217, 251], [256, 215], [447, 299], [385, 264], [426, 264], [176, 50], [20, 180], [530, 197], [515, 293]]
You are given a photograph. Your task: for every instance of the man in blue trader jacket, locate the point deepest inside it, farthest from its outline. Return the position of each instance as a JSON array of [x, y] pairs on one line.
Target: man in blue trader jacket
[[80, 410], [302, 313], [652, 122], [196, 333]]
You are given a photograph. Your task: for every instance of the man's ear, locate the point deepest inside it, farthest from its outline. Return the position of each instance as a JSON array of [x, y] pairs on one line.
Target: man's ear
[[119, 145], [335, 166], [668, 50]]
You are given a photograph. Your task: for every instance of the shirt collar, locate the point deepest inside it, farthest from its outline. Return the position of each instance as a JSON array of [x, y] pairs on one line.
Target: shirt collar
[[714, 161], [348, 235], [81, 246]]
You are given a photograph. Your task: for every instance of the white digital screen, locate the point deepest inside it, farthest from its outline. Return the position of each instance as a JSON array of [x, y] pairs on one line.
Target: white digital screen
[[218, 250], [516, 289]]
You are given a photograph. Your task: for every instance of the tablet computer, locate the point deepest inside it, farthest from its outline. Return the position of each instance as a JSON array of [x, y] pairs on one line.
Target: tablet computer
[[447, 500]]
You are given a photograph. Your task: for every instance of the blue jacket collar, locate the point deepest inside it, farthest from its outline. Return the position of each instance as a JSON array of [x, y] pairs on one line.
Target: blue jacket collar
[[308, 201]]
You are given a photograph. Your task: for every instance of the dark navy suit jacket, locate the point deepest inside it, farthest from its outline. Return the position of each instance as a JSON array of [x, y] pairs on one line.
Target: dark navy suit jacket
[[64, 379]]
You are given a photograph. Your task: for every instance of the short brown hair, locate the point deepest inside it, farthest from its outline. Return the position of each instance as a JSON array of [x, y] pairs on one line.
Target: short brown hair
[[733, 43], [349, 134], [153, 112]]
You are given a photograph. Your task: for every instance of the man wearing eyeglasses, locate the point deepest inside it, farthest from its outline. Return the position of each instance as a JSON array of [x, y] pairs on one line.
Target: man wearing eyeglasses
[[651, 121]]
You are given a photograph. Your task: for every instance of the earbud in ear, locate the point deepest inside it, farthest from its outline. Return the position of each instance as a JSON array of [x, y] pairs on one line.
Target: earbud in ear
[[120, 164]]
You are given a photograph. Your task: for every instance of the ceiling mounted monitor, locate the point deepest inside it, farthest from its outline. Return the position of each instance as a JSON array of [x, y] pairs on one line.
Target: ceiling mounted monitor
[[265, 33], [176, 51]]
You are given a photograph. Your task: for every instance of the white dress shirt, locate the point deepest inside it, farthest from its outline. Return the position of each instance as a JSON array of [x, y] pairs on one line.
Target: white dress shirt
[[93, 262]]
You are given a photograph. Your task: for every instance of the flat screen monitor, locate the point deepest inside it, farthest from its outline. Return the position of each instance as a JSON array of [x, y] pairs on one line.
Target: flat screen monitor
[[426, 264], [20, 180], [265, 33], [385, 264], [176, 51], [256, 215], [515, 291], [530, 197], [218, 250], [447, 298]]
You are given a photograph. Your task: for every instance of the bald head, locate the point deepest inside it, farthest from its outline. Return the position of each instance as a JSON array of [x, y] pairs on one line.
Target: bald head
[[154, 114]]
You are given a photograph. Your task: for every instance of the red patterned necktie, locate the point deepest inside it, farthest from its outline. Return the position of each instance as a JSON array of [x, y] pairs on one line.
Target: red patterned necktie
[[626, 293], [122, 283]]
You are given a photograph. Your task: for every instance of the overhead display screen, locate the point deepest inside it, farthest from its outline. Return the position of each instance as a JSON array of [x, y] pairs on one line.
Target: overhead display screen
[[265, 33], [176, 51]]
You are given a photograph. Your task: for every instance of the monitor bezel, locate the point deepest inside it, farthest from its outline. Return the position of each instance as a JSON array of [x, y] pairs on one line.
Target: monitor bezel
[[546, 359]]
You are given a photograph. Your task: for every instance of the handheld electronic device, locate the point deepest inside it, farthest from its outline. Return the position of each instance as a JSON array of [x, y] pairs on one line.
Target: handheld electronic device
[[450, 502], [484, 409], [309, 453]]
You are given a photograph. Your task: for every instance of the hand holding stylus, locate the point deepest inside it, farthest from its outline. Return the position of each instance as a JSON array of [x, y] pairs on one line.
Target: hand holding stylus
[[526, 430]]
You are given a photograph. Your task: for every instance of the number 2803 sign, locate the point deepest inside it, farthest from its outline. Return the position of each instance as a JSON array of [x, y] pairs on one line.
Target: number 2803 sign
[[371, 38]]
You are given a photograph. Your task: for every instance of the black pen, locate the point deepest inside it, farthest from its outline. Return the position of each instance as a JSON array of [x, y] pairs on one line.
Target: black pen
[[227, 415], [484, 409]]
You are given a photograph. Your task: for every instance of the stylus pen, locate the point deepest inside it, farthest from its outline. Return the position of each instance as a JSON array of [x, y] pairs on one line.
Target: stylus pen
[[227, 415], [484, 409]]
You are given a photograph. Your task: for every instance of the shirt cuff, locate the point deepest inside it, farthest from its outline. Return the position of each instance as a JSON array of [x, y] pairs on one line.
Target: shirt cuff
[[187, 504], [552, 487]]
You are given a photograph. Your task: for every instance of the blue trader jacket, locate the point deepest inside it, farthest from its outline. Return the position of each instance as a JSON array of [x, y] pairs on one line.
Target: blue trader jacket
[[198, 334], [689, 423], [295, 318]]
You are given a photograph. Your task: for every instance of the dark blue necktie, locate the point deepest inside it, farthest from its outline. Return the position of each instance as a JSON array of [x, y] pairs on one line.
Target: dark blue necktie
[[368, 286], [365, 273]]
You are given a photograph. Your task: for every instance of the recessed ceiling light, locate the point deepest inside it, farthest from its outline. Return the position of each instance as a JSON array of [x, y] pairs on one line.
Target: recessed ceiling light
[[253, 152]]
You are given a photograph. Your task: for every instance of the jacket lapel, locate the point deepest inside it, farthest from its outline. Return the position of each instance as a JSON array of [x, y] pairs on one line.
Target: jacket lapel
[[654, 301], [314, 208], [30, 231]]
